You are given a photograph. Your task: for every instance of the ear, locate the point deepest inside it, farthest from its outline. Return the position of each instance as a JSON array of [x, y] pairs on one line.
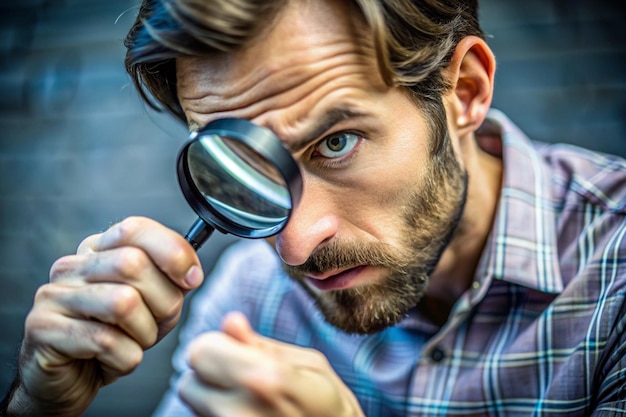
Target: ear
[[471, 73]]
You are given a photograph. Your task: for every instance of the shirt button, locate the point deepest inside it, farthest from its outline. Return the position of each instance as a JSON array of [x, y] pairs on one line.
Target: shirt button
[[437, 354], [476, 285]]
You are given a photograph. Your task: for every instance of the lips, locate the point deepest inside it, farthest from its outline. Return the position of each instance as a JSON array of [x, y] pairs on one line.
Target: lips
[[337, 280]]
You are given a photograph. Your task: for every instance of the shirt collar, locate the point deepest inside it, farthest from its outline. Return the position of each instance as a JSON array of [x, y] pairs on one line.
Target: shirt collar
[[522, 246]]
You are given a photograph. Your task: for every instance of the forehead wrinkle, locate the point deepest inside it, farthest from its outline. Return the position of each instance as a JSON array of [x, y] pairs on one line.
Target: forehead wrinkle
[[299, 133], [239, 79], [283, 120], [311, 89], [241, 66], [191, 73], [233, 95], [341, 96], [318, 83], [238, 87]]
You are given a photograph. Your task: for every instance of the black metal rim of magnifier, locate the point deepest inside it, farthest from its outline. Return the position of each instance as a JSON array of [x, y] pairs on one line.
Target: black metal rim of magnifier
[[257, 138]]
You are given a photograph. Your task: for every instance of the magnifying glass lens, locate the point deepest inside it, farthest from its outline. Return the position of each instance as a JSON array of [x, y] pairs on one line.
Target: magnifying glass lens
[[239, 179], [238, 183]]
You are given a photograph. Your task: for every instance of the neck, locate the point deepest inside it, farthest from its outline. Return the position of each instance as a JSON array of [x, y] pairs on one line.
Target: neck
[[456, 268]]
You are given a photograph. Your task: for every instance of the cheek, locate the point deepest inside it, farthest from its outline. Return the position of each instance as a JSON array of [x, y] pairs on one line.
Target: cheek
[[392, 176], [380, 197]]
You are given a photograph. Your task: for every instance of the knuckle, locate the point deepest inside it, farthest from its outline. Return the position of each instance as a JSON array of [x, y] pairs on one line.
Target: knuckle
[[195, 350], [44, 292], [172, 308], [180, 257], [108, 342], [130, 224], [131, 262], [198, 348], [133, 359], [268, 380], [105, 339], [62, 266], [316, 358], [127, 228], [148, 341], [124, 301], [37, 322], [86, 243]]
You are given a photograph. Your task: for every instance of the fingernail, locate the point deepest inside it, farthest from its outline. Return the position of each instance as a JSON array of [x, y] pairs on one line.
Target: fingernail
[[194, 277]]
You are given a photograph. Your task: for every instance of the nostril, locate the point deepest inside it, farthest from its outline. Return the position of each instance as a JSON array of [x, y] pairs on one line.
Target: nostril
[[312, 223], [287, 255], [297, 242]]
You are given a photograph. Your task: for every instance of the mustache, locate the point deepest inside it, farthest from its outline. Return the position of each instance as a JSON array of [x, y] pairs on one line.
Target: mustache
[[343, 255]]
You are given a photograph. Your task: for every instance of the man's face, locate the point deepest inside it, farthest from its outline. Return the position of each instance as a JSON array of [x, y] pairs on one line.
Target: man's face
[[377, 209]]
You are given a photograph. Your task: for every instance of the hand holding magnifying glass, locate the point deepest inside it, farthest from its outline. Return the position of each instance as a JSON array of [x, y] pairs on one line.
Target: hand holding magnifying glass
[[239, 179]]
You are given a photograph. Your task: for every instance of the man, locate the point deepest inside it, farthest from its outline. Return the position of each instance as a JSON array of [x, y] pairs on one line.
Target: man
[[451, 278]]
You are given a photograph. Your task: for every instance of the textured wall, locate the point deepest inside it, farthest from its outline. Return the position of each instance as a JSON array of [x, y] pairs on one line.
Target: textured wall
[[562, 69], [79, 151]]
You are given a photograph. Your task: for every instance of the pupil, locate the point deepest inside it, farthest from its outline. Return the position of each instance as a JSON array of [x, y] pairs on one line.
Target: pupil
[[336, 143]]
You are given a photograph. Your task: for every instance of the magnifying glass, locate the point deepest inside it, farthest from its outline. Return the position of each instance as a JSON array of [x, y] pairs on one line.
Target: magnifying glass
[[239, 179]]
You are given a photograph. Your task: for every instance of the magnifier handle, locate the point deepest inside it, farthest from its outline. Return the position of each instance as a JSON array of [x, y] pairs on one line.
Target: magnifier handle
[[199, 233]]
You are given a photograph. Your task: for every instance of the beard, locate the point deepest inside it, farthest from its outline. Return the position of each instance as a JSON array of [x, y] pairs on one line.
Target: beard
[[431, 216]]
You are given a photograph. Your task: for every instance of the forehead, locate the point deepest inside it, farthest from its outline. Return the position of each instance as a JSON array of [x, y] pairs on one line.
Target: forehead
[[313, 46]]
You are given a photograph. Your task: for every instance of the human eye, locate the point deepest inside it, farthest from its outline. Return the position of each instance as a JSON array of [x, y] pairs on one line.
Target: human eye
[[337, 145]]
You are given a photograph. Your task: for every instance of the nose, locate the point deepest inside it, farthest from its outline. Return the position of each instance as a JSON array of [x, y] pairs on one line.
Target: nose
[[312, 223]]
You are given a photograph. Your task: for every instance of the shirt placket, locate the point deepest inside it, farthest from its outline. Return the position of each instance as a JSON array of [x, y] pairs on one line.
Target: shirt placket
[[435, 370]]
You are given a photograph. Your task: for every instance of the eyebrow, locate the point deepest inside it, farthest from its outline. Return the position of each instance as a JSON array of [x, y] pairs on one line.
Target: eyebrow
[[324, 124], [327, 121]]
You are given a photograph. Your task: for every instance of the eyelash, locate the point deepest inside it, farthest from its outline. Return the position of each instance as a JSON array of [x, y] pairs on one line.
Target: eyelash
[[328, 162]]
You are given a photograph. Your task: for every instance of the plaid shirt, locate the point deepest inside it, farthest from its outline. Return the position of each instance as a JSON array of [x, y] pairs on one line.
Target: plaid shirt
[[541, 331]]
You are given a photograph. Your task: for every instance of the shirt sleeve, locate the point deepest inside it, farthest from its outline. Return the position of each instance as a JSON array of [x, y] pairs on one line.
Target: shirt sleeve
[[610, 378], [220, 294], [612, 385]]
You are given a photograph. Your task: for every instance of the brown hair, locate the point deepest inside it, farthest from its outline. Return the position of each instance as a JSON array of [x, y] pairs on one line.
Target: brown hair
[[413, 39]]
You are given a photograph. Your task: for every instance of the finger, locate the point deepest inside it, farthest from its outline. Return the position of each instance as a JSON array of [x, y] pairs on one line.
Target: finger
[[115, 304], [302, 368], [206, 400], [224, 363], [171, 253], [85, 246], [62, 339], [128, 265], [236, 325]]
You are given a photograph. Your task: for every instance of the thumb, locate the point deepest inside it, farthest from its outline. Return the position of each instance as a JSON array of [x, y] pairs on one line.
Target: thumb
[[237, 326]]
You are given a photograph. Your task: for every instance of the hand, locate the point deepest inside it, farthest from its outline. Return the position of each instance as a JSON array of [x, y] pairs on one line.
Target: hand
[[119, 295], [237, 372]]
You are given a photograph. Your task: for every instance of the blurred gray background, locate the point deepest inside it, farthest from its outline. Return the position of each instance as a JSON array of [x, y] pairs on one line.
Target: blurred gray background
[[78, 150]]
